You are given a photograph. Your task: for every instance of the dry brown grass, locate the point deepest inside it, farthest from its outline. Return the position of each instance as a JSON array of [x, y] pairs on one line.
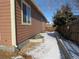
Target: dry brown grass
[[28, 47], [8, 55], [25, 49]]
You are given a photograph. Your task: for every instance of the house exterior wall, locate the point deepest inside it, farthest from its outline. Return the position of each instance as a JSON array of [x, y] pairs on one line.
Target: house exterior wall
[[23, 32], [43, 26], [5, 23], [26, 31]]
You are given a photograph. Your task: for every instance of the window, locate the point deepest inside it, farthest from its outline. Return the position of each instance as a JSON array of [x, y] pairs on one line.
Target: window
[[26, 13]]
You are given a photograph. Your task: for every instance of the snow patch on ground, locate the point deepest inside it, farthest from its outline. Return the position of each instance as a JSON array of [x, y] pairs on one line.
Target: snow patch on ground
[[50, 49], [72, 48], [47, 50]]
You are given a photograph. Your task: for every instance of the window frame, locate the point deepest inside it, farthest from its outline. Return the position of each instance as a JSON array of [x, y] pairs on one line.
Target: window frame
[[22, 15]]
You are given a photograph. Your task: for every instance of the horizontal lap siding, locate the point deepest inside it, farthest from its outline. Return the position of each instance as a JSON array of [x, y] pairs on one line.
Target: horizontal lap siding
[[5, 23], [26, 31]]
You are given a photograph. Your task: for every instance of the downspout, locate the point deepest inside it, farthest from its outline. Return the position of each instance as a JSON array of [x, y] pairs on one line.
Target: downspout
[[13, 22]]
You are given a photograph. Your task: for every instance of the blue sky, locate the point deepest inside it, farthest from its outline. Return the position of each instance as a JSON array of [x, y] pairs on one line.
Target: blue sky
[[50, 7]]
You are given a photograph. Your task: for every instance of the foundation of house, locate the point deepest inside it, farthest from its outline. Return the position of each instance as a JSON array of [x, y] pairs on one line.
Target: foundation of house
[[7, 48]]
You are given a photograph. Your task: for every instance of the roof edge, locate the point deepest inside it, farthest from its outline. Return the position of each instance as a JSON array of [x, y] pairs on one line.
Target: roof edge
[[39, 10]]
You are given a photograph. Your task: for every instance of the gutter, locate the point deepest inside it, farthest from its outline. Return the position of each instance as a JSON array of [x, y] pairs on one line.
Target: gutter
[[39, 10]]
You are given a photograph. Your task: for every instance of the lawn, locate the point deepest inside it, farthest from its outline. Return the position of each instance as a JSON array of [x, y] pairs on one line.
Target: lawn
[[9, 55], [6, 55], [36, 41]]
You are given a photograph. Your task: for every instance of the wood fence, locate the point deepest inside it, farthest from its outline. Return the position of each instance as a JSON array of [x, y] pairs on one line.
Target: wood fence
[[70, 31]]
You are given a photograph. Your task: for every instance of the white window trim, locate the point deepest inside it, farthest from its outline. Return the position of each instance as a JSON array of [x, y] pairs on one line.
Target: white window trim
[[22, 1]]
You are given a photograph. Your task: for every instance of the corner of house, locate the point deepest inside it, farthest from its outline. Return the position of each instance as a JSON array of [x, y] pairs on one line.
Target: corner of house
[[13, 23]]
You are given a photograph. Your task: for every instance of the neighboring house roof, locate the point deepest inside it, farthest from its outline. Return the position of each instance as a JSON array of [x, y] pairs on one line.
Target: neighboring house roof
[[39, 10], [49, 25]]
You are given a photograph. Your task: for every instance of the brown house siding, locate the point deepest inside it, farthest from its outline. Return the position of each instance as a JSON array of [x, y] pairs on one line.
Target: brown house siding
[[26, 31], [5, 23], [23, 32]]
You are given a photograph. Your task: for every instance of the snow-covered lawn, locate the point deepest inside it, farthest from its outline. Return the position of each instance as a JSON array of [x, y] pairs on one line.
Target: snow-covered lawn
[[72, 48], [50, 49], [47, 50]]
